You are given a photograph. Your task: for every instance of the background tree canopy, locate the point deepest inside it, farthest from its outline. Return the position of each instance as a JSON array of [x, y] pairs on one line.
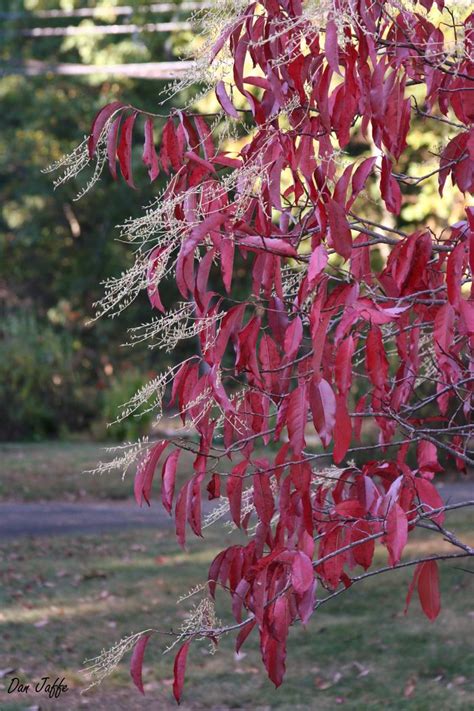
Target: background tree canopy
[[59, 372]]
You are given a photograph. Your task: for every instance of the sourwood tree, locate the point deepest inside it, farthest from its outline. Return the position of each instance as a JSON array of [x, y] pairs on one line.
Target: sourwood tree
[[353, 331]]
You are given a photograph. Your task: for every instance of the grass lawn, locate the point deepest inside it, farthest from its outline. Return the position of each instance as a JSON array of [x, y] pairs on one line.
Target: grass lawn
[[63, 599], [60, 471]]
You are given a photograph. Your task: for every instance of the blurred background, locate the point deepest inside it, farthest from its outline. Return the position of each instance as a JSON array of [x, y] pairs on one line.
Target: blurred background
[[60, 375]]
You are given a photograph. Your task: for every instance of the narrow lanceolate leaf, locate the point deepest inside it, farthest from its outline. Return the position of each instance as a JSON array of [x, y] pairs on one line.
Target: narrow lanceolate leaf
[[296, 418], [342, 430], [168, 477], [234, 490], [124, 150], [397, 533], [331, 47], [99, 122], [146, 472], [317, 264], [136, 662], [339, 227], [112, 137], [224, 100], [322, 402], [428, 589], [150, 157], [376, 359], [263, 497], [389, 188], [180, 670]]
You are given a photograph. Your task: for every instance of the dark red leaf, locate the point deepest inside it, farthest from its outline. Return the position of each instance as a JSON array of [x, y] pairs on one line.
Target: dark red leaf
[[428, 589], [180, 670], [397, 533], [168, 478], [136, 662], [124, 150]]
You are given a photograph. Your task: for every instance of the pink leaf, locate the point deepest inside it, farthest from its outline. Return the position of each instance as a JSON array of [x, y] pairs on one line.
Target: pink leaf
[[224, 100]]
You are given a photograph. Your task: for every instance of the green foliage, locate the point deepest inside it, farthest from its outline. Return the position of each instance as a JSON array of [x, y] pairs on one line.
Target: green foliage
[[114, 396], [40, 391], [55, 252]]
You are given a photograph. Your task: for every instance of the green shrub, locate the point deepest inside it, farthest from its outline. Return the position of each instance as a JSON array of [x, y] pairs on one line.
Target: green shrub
[[119, 390], [41, 393]]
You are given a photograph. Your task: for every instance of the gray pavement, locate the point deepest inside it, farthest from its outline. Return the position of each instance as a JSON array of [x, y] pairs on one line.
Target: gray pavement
[[56, 517]]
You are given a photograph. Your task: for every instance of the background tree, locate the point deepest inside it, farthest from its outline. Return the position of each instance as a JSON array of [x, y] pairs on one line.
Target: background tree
[[56, 251], [351, 325]]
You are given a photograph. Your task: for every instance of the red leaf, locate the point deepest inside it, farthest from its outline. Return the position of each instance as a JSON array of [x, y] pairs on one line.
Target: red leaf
[[172, 148], [99, 122], [168, 478], [146, 472], [302, 574], [428, 589], [234, 490], [430, 498], [268, 244], [343, 365], [331, 47], [360, 178], [317, 263], [293, 336], [376, 359], [263, 497], [179, 670], [150, 157], [363, 552], [340, 231], [397, 533], [181, 512], [136, 662], [296, 418], [112, 146], [389, 188], [342, 430], [124, 150]]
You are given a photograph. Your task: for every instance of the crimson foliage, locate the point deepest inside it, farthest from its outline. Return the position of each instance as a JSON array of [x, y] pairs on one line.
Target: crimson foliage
[[324, 340]]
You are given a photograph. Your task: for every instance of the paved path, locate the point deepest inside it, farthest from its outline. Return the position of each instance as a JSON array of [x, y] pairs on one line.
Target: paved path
[[56, 517]]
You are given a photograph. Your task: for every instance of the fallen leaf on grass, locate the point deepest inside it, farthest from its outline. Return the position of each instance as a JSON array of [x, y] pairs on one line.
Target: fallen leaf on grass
[[410, 687], [41, 623]]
